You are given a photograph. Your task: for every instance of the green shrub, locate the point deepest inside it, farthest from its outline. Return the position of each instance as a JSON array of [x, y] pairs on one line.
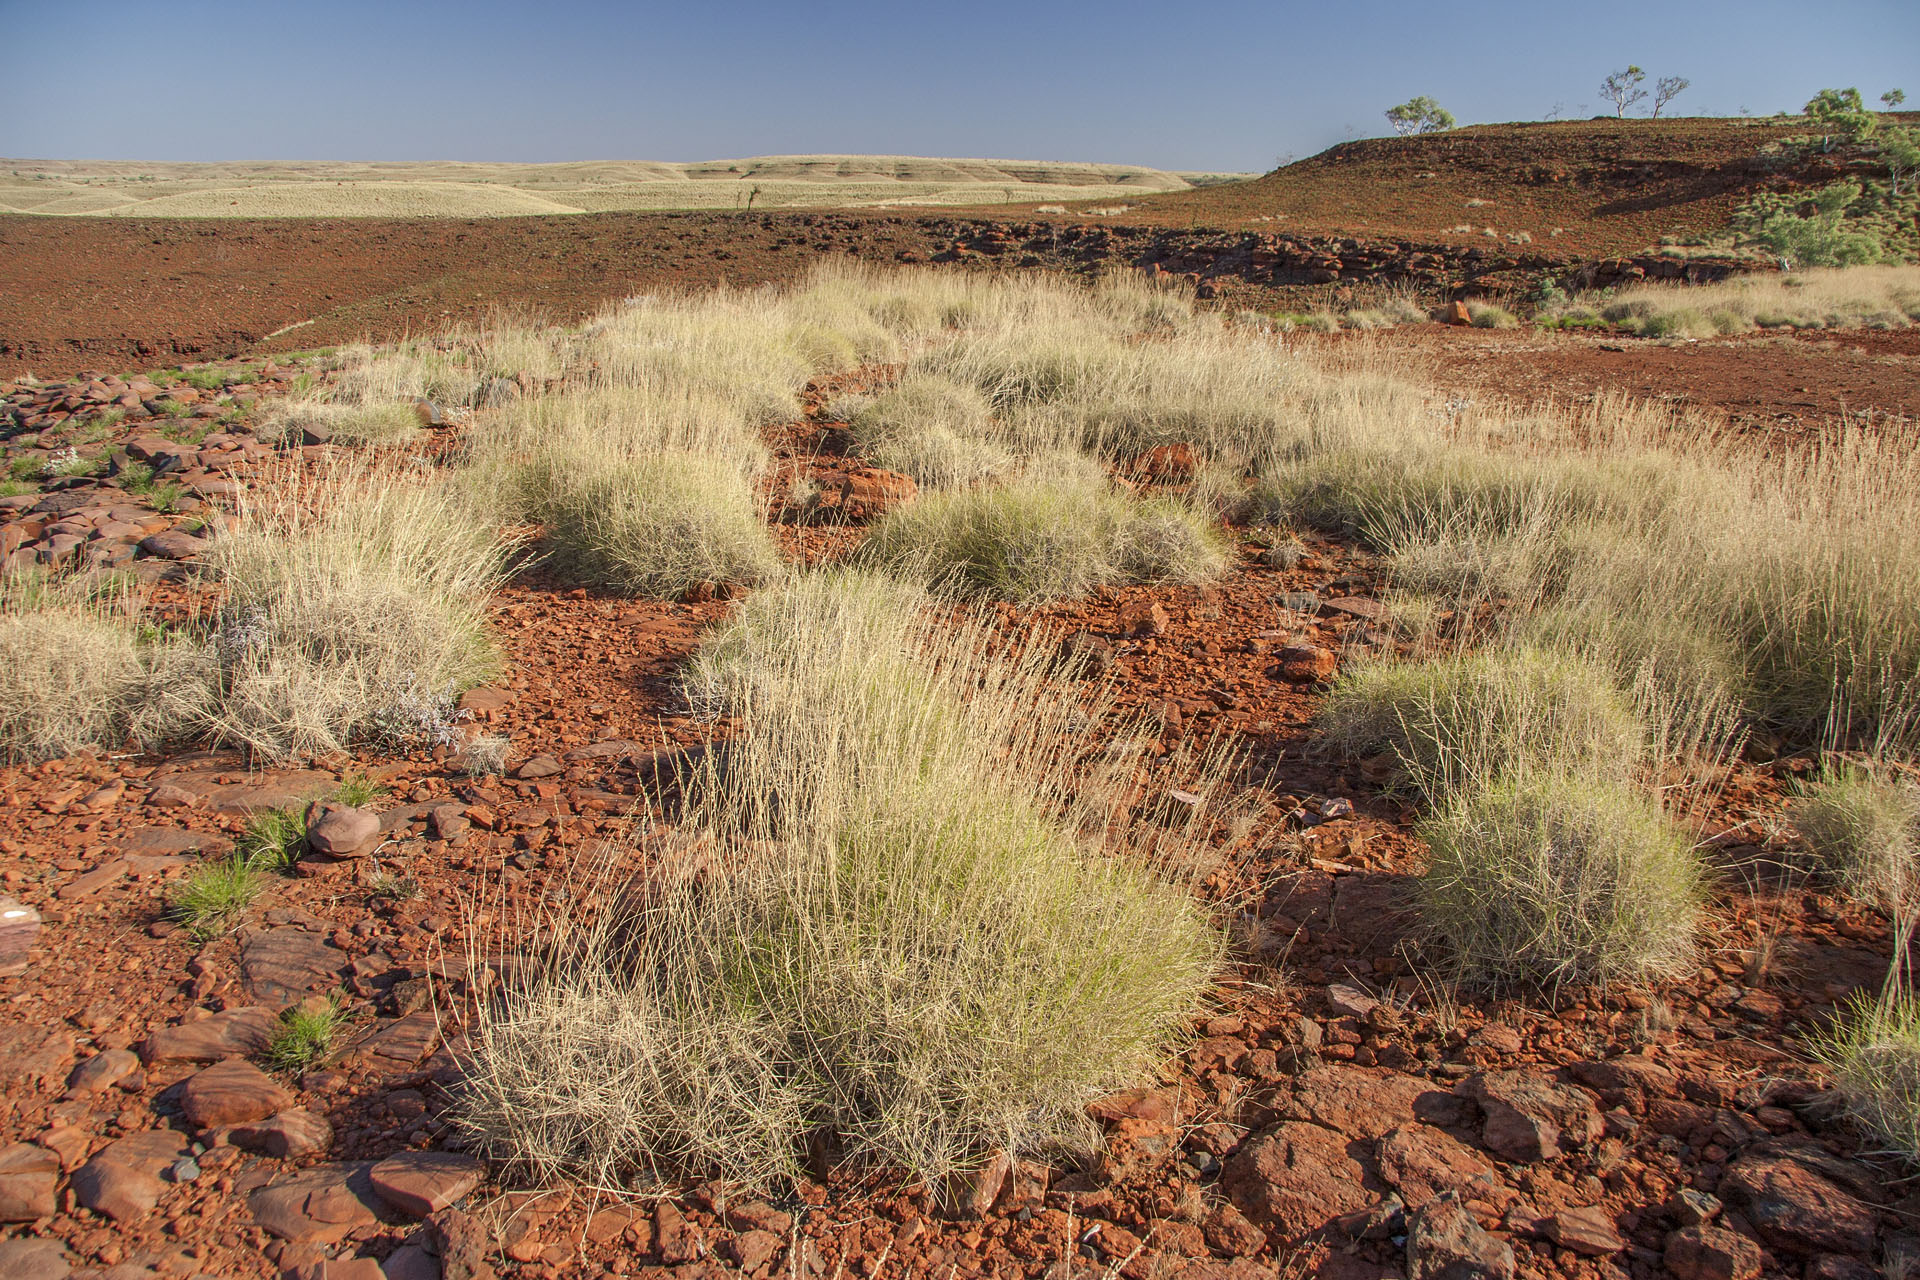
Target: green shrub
[[304, 1037], [273, 838], [1454, 719], [1873, 1050], [1863, 831], [909, 950], [1553, 881], [213, 896], [1042, 538], [657, 525]]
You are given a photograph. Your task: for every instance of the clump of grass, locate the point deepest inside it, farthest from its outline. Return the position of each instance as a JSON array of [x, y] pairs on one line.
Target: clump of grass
[[1873, 1049], [305, 1036], [273, 838], [1464, 716], [1487, 315], [481, 754], [357, 789], [78, 669], [204, 379], [1044, 537], [1863, 831], [1558, 880], [1875, 297], [350, 424], [354, 604], [932, 429], [394, 887], [657, 525], [908, 947], [209, 899]]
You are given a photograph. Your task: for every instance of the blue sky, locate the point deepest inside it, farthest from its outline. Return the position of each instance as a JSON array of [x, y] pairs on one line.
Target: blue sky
[[1209, 84]]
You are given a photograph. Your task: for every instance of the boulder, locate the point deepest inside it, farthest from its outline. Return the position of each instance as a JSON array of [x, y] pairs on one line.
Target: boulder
[[230, 1093], [1445, 1243], [232, 1034], [318, 1205], [420, 1183], [120, 1191], [1528, 1117], [1712, 1253], [27, 1259], [1295, 1177], [1306, 664], [29, 1176], [343, 831], [1797, 1210]]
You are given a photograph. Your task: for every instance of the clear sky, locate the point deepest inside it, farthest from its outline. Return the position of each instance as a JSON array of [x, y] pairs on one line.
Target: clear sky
[[1206, 84]]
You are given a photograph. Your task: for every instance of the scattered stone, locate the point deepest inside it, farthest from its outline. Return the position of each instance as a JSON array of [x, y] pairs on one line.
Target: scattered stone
[[1530, 1118], [539, 767], [283, 966], [288, 1135], [1364, 607], [1796, 1210], [120, 1191], [1712, 1253], [174, 544], [402, 1043], [420, 1183], [1421, 1162], [29, 1175], [31, 1053], [1445, 1243], [19, 930], [1229, 1233], [343, 831], [102, 1071], [673, 1238], [869, 492], [462, 1241], [33, 1260], [1306, 664], [753, 1249], [316, 1206], [1293, 1177], [1590, 1231], [229, 1093], [233, 1034]]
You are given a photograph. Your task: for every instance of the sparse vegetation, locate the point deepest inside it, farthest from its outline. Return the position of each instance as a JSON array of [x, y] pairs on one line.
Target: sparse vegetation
[[909, 949], [273, 839], [1419, 115], [1863, 831], [212, 897], [305, 1036], [1878, 297]]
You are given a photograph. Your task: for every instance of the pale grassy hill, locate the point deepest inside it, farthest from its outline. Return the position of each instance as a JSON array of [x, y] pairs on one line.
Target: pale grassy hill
[[316, 189]]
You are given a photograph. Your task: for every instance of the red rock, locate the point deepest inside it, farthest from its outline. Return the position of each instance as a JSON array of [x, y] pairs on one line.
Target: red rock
[[119, 1191], [463, 1241], [1456, 313], [420, 1183], [232, 1034], [102, 1071], [29, 1175], [231, 1093], [1712, 1253], [754, 1249], [1136, 1148], [291, 1134], [673, 1238], [1307, 663], [174, 544], [1445, 1243], [28, 1259], [19, 931], [971, 1194], [869, 492], [1229, 1233], [1590, 1231], [317, 1205], [1528, 1117], [1174, 463], [1143, 618], [1294, 1178], [1421, 1162], [343, 831], [1796, 1210]]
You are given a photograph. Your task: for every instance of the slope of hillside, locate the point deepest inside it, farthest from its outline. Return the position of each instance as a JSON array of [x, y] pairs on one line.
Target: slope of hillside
[[1584, 188]]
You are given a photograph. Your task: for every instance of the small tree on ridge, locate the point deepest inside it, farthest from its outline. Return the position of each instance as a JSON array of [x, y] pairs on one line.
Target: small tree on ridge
[[1419, 115], [1666, 89], [1622, 89]]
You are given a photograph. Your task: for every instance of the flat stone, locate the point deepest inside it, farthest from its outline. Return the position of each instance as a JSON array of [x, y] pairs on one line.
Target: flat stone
[[1367, 1105], [102, 1071], [19, 931], [1421, 1162], [343, 831], [1528, 1117], [163, 842], [232, 1092], [418, 1183], [411, 1262], [29, 1177], [1796, 1210], [1445, 1243], [402, 1043], [235, 1033], [539, 767], [1294, 1178], [174, 544], [283, 966], [34, 1260], [121, 1192], [318, 1205], [1712, 1253], [1589, 1230], [31, 1053], [611, 749], [286, 1135], [1355, 606]]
